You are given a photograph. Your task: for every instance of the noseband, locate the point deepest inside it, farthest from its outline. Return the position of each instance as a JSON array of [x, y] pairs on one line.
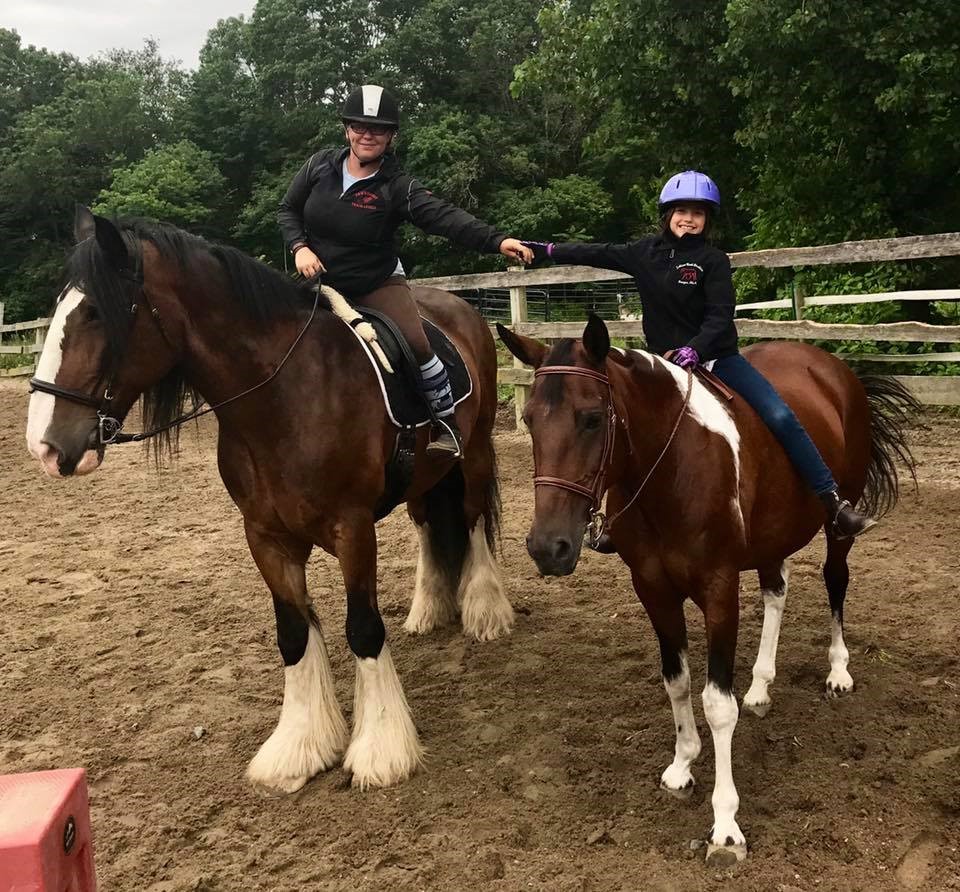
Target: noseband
[[596, 490]]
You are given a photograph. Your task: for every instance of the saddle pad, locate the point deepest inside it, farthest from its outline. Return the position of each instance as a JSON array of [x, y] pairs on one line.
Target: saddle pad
[[402, 396]]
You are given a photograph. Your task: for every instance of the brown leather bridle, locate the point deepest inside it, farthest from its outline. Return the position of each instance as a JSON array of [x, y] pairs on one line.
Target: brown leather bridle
[[597, 488]]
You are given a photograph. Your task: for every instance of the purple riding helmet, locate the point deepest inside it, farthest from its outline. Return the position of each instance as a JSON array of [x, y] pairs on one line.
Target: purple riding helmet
[[691, 185]]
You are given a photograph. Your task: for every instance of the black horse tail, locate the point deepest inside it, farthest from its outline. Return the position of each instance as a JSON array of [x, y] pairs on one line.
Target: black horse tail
[[447, 522], [892, 408]]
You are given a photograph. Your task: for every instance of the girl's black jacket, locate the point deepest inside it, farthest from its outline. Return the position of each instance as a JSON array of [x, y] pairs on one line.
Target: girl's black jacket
[[685, 287], [352, 232]]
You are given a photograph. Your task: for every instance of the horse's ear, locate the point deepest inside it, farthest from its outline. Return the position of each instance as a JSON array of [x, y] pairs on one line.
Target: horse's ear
[[111, 243], [527, 350], [596, 339], [84, 226]]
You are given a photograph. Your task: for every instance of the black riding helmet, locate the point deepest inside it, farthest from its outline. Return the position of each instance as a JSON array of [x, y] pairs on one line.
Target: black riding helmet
[[371, 104]]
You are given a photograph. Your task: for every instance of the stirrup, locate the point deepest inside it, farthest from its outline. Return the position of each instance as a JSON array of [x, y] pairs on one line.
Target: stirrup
[[448, 443], [859, 523]]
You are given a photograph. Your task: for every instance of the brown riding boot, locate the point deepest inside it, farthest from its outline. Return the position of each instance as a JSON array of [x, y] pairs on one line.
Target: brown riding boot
[[843, 520]]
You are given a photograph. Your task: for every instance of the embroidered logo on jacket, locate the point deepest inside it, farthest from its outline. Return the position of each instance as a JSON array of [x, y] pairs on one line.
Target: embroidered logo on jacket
[[689, 273], [365, 200]]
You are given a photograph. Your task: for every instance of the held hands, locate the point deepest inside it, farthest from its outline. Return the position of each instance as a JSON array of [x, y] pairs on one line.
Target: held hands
[[541, 250], [308, 264], [685, 357], [516, 250]]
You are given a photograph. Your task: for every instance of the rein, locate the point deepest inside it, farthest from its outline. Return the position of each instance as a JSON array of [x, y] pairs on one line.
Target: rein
[[110, 428], [595, 492]]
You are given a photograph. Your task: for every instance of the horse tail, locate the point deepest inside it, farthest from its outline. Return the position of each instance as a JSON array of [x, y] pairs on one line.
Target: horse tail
[[491, 500], [892, 408]]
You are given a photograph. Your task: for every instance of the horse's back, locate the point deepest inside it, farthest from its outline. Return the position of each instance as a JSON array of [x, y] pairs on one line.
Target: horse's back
[[826, 396], [461, 322]]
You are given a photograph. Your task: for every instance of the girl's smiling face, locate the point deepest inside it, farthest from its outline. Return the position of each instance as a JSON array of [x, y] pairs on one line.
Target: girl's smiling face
[[688, 219]]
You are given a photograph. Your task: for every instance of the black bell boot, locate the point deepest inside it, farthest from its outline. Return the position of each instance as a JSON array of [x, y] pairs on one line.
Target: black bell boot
[[843, 520], [445, 439]]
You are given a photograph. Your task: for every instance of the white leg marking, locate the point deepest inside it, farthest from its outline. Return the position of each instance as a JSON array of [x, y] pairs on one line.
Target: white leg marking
[[720, 710], [40, 412], [757, 699], [385, 748], [484, 608], [434, 601], [677, 776], [839, 681], [311, 733]]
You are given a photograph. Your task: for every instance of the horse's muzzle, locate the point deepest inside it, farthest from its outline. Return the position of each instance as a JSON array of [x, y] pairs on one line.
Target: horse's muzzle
[[554, 554]]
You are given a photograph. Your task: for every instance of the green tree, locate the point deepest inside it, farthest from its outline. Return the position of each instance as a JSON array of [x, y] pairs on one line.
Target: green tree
[[178, 184]]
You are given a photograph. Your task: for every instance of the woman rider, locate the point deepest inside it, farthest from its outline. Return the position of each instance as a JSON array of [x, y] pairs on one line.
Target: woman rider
[[686, 291], [339, 218]]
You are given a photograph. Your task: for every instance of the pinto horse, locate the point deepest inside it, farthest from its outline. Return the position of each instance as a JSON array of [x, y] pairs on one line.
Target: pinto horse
[[150, 311], [699, 491]]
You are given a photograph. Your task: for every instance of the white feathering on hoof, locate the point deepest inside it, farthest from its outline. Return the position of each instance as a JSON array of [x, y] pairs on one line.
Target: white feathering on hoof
[[339, 305]]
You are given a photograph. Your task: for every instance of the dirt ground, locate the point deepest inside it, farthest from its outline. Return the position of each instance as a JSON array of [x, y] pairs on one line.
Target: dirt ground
[[131, 614]]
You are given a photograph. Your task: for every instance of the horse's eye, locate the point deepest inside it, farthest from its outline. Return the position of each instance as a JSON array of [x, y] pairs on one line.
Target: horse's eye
[[592, 421], [93, 313]]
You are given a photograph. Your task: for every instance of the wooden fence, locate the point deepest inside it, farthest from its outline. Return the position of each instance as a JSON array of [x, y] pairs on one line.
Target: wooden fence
[[931, 390]]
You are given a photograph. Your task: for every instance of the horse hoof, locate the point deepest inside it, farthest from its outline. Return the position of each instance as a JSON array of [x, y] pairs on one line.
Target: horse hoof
[[758, 709], [684, 793], [725, 856], [277, 787]]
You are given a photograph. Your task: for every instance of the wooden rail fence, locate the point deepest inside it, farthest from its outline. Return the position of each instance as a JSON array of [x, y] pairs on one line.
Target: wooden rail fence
[[931, 390]]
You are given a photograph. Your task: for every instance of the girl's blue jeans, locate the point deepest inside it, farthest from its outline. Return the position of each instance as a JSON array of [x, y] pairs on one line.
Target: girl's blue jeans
[[742, 377]]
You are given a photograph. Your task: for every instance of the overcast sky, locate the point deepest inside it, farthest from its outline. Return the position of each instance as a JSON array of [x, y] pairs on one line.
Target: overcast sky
[[87, 27]]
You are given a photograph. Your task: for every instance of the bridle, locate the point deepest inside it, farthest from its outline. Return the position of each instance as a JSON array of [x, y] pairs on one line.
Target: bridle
[[595, 491], [109, 428]]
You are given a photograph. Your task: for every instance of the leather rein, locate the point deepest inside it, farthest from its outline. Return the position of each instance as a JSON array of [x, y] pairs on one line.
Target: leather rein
[[109, 428], [594, 493]]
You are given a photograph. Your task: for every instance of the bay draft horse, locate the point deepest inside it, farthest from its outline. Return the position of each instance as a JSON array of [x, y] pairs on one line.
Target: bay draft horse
[[698, 490], [151, 311]]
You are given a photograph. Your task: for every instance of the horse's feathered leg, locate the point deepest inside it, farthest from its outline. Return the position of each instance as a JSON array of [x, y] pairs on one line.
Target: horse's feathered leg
[[836, 575], [773, 585], [384, 748], [311, 734], [720, 600], [485, 610]]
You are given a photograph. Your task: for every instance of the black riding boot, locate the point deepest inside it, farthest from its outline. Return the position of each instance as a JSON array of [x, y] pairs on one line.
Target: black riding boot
[[445, 439], [842, 519]]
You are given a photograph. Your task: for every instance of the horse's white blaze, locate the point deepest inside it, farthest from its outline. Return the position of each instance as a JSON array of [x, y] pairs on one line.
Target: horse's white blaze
[[40, 413], [433, 597], [839, 680], [720, 710], [484, 609], [677, 775], [311, 733], [765, 668], [385, 748]]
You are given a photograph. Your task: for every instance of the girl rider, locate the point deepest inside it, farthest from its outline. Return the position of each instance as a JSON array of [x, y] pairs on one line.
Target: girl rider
[[686, 290]]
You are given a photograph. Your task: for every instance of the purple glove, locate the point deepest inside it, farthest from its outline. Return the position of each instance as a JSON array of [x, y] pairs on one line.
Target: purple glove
[[685, 357], [541, 250]]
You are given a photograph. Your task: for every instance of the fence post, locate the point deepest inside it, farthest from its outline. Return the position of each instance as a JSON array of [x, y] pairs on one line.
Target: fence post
[[797, 296], [518, 313], [38, 340]]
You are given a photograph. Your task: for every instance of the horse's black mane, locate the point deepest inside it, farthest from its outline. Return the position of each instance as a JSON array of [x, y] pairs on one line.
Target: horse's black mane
[[259, 291]]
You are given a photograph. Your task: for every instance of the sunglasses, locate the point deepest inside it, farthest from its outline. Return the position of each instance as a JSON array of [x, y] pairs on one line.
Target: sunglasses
[[372, 129]]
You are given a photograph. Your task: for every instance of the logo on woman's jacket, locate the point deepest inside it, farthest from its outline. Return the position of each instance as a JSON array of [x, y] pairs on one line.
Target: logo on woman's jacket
[[363, 198], [689, 273]]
